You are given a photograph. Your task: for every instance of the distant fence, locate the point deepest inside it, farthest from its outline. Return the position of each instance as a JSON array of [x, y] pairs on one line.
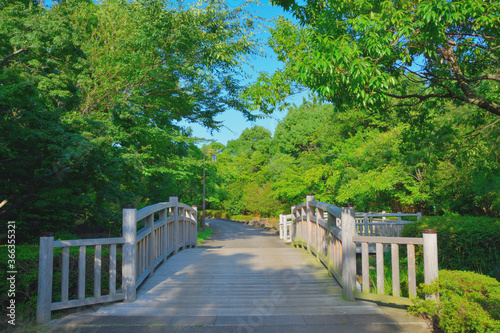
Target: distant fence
[[382, 224], [332, 234], [285, 225], [168, 227]]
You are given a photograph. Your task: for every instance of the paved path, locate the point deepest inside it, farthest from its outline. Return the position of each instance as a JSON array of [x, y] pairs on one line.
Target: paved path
[[241, 280]]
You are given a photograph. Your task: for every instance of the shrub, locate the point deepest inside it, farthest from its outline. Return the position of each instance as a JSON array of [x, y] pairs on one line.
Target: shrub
[[465, 243], [218, 214], [468, 302]]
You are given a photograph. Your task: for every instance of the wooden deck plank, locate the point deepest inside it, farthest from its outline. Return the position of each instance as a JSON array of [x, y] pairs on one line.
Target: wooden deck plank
[[235, 273]]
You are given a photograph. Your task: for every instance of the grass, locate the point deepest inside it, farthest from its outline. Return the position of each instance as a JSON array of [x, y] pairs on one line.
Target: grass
[[202, 235], [244, 217]]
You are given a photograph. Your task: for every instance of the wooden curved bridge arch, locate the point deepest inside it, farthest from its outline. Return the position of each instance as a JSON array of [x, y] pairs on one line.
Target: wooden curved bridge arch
[[244, 279]]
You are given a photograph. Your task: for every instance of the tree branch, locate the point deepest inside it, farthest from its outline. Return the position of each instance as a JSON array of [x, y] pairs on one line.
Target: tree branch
[[5, 59], [469, 96]]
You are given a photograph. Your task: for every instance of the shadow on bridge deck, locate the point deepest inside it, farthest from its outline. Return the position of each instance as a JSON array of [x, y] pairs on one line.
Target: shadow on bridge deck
[[243, 279]]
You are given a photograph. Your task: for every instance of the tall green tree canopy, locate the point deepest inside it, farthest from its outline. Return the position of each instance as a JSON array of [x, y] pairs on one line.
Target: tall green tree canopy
[[356, 53], [90, 96]]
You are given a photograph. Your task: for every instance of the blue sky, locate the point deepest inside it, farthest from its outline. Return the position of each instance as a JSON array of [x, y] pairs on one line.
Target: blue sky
[[233, 122]]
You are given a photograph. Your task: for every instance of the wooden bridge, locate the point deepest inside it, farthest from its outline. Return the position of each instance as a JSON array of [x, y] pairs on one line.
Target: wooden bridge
[[242, 280]]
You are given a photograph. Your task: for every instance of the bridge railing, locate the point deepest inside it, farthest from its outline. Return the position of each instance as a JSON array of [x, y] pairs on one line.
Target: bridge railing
[[166, 228], [381, 224], [331, 234], [285, 225]]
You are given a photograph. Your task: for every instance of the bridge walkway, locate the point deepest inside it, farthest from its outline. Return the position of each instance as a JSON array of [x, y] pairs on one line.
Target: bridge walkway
[[243, 279]]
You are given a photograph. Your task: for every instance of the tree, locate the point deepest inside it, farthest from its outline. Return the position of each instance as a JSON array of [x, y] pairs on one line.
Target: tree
[[90, 96], [355, 54]]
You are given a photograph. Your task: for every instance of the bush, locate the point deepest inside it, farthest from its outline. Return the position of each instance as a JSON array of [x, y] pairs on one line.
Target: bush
[[218, 214], [465, 243], [243, 217], [468, 302]]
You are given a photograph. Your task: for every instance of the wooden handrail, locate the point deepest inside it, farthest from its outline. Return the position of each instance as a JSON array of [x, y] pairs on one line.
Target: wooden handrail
[[169, 227], [334, 236]]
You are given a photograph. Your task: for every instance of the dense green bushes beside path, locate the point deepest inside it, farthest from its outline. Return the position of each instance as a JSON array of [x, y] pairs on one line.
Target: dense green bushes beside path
[[468, 302], [464, 243], [468, 251]]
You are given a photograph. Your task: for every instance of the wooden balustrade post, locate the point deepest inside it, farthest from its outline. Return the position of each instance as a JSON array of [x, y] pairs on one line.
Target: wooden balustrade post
[[303, 226], [419, 216], [150, 222], [164, 236], [329, 258], [365, 220], [281, 226], [194, 241], [286, 231], [45, 273], [173, 199], [129, 270], [182, 227], [430, 258], [348, 252], [319, 213], [310, 197], [293, 229]]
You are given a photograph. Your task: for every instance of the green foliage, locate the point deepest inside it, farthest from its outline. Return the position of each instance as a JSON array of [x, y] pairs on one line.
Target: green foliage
[[468, 302], [359, 54], [90, 97], [218, 214], [394, 162], [464, 243], [243, 217]]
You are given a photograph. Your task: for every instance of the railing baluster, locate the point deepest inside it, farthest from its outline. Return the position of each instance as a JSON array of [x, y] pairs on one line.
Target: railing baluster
[[174, 200], [112, 269], [164, 234], [65, 274], [412, 283], [365, 268], [97, 271], [81, 271], [150, 222], [395, 269], [365, 220], [380, 268], [319, 214]]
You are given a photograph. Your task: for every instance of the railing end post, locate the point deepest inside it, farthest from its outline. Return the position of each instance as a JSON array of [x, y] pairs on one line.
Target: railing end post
[[431, 269], [348, 252], [129, 253], [195, 241], [45, 274]]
